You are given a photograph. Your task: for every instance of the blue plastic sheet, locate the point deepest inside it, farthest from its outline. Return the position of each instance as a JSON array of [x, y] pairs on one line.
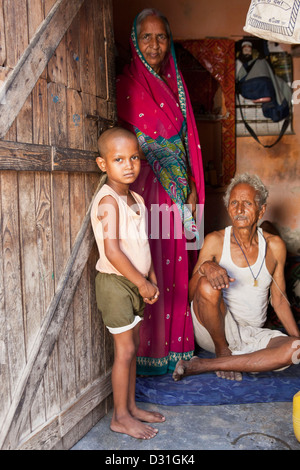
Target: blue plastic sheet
[[208, 389]]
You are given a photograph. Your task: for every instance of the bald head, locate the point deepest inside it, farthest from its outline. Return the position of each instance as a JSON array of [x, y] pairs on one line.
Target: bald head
[[108, 137]]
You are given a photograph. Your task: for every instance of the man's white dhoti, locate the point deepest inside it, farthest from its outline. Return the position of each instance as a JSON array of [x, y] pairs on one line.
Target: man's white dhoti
[[241, 339]]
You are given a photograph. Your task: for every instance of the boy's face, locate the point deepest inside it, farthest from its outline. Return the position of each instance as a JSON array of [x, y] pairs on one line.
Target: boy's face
[[121, 162]]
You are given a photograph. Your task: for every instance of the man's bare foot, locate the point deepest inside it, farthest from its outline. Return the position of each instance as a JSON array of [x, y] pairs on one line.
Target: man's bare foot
[[147, 416], [229, 375], [185, 368], [197, 366], [133, 427]]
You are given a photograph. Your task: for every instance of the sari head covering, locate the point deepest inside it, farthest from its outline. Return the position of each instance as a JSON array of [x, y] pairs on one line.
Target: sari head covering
[[160, 113]]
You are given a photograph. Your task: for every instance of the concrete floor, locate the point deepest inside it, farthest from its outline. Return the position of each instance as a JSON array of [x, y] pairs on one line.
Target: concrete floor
[[262, 426]]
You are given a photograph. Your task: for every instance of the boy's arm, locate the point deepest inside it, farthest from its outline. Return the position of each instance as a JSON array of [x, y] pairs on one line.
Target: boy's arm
[[108, 214]]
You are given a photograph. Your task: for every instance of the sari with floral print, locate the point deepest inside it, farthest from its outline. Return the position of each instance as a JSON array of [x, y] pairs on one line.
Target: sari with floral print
[[158, 111]]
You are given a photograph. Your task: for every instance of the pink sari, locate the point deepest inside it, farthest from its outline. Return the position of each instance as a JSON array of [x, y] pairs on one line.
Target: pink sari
[[161, 116]]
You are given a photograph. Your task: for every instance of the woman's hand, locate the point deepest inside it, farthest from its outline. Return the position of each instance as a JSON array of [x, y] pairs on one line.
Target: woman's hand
[[192, 198]]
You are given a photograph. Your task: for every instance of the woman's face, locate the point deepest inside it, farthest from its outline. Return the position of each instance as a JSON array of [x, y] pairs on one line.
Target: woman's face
[[153, 41]]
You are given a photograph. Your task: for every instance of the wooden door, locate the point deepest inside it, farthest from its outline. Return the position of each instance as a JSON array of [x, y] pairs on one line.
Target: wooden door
[[56, 95]]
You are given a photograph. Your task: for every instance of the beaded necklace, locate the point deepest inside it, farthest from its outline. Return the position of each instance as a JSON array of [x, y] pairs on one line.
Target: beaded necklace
[[255, 283]]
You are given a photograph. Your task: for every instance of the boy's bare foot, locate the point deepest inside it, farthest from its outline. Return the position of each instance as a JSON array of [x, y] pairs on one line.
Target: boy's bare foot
[[133, 427], [148, 416]]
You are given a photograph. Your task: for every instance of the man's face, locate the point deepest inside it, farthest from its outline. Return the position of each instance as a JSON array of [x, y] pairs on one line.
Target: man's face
[[243, 208]]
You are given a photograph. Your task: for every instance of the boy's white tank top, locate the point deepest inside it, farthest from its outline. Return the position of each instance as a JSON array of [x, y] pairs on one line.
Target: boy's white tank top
[[133, 237], [247, 303]]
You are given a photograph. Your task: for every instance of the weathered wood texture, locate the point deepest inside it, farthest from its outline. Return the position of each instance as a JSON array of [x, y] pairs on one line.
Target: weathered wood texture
[[55, 354]]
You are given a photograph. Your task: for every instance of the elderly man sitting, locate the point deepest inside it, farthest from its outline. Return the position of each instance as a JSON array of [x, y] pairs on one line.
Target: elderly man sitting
[[229, 291]]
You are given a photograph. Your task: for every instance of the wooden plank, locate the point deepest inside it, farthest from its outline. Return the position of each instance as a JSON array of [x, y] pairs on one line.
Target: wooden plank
[[57, 114], [60, 222], [37, 413], [72, 160], [16, 30], [35, 9], [73, 54], [46, 282], [66, 350], [110, 53], [32, 298], [40, 113], [48, 4], [52, 387], [18, 156], [12, 131], [86, 403], [11, 135], [98, 345], [98, 349], [29, 257], [2, 37], [57, 65], [50, 434], [24, 122], [34, 59], [12, 281], [30, 157], [4, 73], [49, 331], [101, 410], [43, 439], [74, 120], [78, 208], [90, 130], [100, 52], [61, 251], [73, 436], [87, 51], [82, 323], [12, 276], [44, 239], [4, 367]]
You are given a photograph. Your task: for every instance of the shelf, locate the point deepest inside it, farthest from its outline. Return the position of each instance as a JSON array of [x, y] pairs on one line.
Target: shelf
[[210, 117]]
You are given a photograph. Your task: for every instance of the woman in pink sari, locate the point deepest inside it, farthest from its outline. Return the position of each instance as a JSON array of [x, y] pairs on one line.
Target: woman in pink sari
[[153, 102]]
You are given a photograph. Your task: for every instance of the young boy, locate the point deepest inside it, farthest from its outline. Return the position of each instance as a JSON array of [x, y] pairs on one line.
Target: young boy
[[126, 278]]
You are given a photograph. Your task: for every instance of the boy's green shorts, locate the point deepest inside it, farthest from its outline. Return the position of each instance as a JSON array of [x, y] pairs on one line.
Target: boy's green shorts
[[119, 301]]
